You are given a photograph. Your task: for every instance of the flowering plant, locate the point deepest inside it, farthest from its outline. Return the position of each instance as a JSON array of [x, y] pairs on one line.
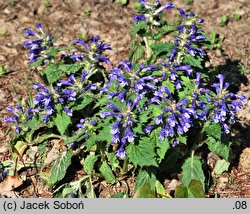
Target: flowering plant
[[156, 109]]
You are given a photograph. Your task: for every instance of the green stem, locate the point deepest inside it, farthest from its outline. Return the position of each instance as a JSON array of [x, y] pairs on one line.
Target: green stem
[[148, 49], [125, 166], [198, 143]]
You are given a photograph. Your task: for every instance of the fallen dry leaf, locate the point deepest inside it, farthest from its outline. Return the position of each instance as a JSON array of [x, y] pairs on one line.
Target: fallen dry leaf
[[9, 184]]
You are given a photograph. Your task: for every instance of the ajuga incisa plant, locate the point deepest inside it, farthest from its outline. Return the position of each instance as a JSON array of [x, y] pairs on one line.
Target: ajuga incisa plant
[[145, 118]]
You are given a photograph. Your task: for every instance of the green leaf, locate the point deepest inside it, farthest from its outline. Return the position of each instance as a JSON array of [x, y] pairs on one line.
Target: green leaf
[[60, 167], [144, 116], [192, 169], [142, 154], [69, 68], [107, 173], [160, 48], [118, 195], [213, 130], [194, 190], [182, 139], [166, 29], [62, 120], [156, 110], [218, 147], [52, 52], [91, 141], [113, 160], [170, 86], [221, 166], [52, 73], [66, 48], [104, 134], [181, 192], [143, 178], [145, 192], [81, 102], [89, 163], [37, 63], [190, 60], [76, 137], [136, 52], [160, 190], [136, 27], [162, 146]]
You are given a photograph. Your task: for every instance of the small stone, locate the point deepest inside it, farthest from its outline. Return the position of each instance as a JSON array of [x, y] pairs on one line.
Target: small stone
[[244, 164]]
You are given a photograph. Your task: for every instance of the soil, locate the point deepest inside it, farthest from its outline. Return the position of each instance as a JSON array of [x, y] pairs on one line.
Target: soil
[[69, 19]]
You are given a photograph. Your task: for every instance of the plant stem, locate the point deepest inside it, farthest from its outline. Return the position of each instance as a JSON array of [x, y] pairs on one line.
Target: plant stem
[[125, 166], [148, 50]]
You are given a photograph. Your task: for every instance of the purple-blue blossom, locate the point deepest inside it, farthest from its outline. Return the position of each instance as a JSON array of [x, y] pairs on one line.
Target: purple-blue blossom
[[225, 104], [176, 118], [152, 11], [39, 46], [132, 81], [121, 131], [92, 52]]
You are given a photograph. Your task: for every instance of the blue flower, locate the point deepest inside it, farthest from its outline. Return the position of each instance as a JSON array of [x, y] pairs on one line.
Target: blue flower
[[39, 46], [152, 11], [225, 104], [121, 131], [93, 52], [176, 119], [132, 81]]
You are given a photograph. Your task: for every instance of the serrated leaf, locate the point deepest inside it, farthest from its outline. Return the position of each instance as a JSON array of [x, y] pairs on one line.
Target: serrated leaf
[[182, 139], [162, 146], [160, 190], [107, 173], [69, 68], [90, 142], [221, 166], [156, 110], [170, 86], [145, 192], [89, 163], [193, 61], [66, 48], [113, 160], [76, 137], [213, 130], [195, 189], [145, 177], [181, 192], [136, 27], [165, 29], [81, 102], [192, 169], [37, 63], [60, 167], [144, 116], [104, 134], [165, 47], [52, 52], [217, 147], [142, 154], [62, 120], [136, 52], [188, 83], [52, 73]]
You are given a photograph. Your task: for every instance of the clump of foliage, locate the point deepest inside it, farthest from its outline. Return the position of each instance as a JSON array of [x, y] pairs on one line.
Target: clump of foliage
[[146, 118]]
